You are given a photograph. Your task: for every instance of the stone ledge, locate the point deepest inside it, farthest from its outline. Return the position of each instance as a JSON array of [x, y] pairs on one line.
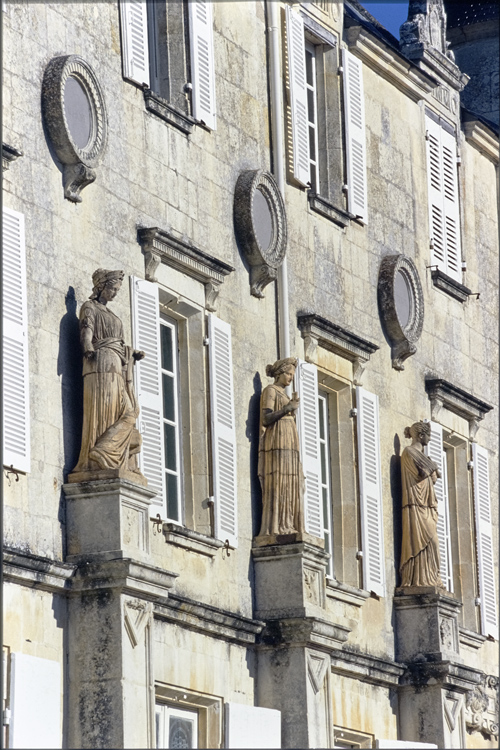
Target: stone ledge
[[479, 135], [304, 631], [344, 593], [191, 540], [470, 638], [452, 287], [129, 576], [203, 618], [167, 112], [9, 154], [421, 673], [27, 569], [325, 208], [456, 399], [368, 668]]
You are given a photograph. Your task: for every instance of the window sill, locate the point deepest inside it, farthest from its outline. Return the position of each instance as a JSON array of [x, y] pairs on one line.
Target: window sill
[[191, 540], [344, 593], [450, 286], [470, 638], [328, 210], [167, 112]]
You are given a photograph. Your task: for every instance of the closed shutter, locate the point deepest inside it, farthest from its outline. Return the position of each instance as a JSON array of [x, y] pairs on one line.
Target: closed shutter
[[298, 95], [16, 417], [354, 105], [202, 61], [451, 205], [370, 487], [435, 451], [308, 427], [435, 194], [223, 430], [146, 337], [35, 701], [484, 542], [135, 46]]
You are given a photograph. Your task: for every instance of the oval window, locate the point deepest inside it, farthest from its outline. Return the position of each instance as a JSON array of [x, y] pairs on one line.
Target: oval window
[[403, 298], [78, 111], [262, 220]]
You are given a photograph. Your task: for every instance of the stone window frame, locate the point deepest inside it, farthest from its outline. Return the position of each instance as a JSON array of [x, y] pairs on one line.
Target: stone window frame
[[352, 738], [208, 707]]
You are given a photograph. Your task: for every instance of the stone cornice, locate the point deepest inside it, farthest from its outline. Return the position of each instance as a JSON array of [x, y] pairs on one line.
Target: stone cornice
[[128, 576], [481, 137], [371, 669], [178, 251], [444, 394], [204, 618], [344, 593], [27, 569], [9, 154], [312, 632], [388, 63], [470, 638], [457, 676]]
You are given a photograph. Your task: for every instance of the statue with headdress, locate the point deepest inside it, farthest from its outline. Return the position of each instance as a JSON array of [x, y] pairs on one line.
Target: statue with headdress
[[110, 439], [420, 545], [280, 470]]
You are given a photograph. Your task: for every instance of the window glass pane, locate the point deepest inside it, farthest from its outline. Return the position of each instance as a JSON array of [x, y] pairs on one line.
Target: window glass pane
[[324, 478], [167, 355], [170, 447], [172, 498], [312, 144], [326, 510], [180, 733], [168, 397], [314, 183], [78, 112], [310, 105], [309, 68], [321, 419]]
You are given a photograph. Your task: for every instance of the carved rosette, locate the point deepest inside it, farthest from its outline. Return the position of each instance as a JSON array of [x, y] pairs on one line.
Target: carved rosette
[[401, 306], [78, 161], [262, 233]]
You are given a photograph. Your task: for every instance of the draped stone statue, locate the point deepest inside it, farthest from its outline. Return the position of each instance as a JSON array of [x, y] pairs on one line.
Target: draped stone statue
[[110, 440], [420, 546], [280, 469]]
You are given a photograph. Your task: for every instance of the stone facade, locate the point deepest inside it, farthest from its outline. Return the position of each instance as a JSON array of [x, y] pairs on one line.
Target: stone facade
[[112, 599]]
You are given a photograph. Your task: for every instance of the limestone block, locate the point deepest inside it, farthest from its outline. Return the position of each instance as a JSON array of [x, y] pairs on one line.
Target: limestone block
[[427, 624]]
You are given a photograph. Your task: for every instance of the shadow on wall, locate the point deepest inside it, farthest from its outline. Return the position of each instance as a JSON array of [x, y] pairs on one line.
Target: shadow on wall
[[397, 503], [253, 435], [69, 366]]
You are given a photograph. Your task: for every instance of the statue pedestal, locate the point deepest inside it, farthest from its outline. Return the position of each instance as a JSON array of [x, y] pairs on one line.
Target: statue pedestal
[[432, 694], [107, 519]]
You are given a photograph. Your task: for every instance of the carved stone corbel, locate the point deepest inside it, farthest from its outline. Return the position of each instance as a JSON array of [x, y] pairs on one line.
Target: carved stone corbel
[[473, 428], [310, 347], [260, 277], [76, 177], [358, 368], [436, 407], [151, 261], [212, 289]]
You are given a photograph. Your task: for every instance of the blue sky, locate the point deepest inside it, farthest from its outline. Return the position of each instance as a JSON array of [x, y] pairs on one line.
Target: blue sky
[[390, 15]]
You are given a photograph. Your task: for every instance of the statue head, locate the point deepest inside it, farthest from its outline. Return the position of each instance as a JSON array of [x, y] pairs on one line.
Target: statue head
[[419, 432], [281, 367], [103, 278]]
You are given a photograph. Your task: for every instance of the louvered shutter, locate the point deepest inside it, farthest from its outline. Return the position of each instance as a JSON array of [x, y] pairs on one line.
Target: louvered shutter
[[435, 194], [16, 417], [135, 45], [451, 205], [435, 451], [306, 380], [202, 61], [223, 430], [298, 95], [354, 105], [370, 486], [146, 337], [484, 542]]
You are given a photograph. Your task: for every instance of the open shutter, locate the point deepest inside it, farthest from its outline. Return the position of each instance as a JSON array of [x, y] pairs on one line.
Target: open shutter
[[451, 205], [35, 701], [435, 451], [354, 105], [135, 46], [484, 542], [16, 418], [308, 427], [223, 430], [202, 61], [435, 194], [370, 487], [146, 336], [298, 95]]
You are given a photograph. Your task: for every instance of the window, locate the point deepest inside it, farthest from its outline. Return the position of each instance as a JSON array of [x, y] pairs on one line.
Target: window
[[444, 212], [16, 421], [171, 419], [312, 115], [176, 727], [168, 48], [325, 457]]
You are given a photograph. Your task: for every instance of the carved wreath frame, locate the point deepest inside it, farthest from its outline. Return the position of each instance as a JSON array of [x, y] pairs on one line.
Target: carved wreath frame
[[402, 337], [78, 163], [263, 262]]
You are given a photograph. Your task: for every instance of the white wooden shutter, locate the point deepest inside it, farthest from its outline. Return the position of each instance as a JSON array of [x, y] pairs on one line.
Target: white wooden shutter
[[16, 416], [451, 205], [201, 41], [435, 451], [223, 430], [370, 486], [306, 379], [354, 105], [435, 194], [298, 95], [484, 542], [146, 336], [135, 45], [35, 701]]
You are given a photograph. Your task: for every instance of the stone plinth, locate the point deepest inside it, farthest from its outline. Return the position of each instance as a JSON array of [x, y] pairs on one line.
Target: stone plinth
[[289, 580], [427, 625], [107, 518]]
